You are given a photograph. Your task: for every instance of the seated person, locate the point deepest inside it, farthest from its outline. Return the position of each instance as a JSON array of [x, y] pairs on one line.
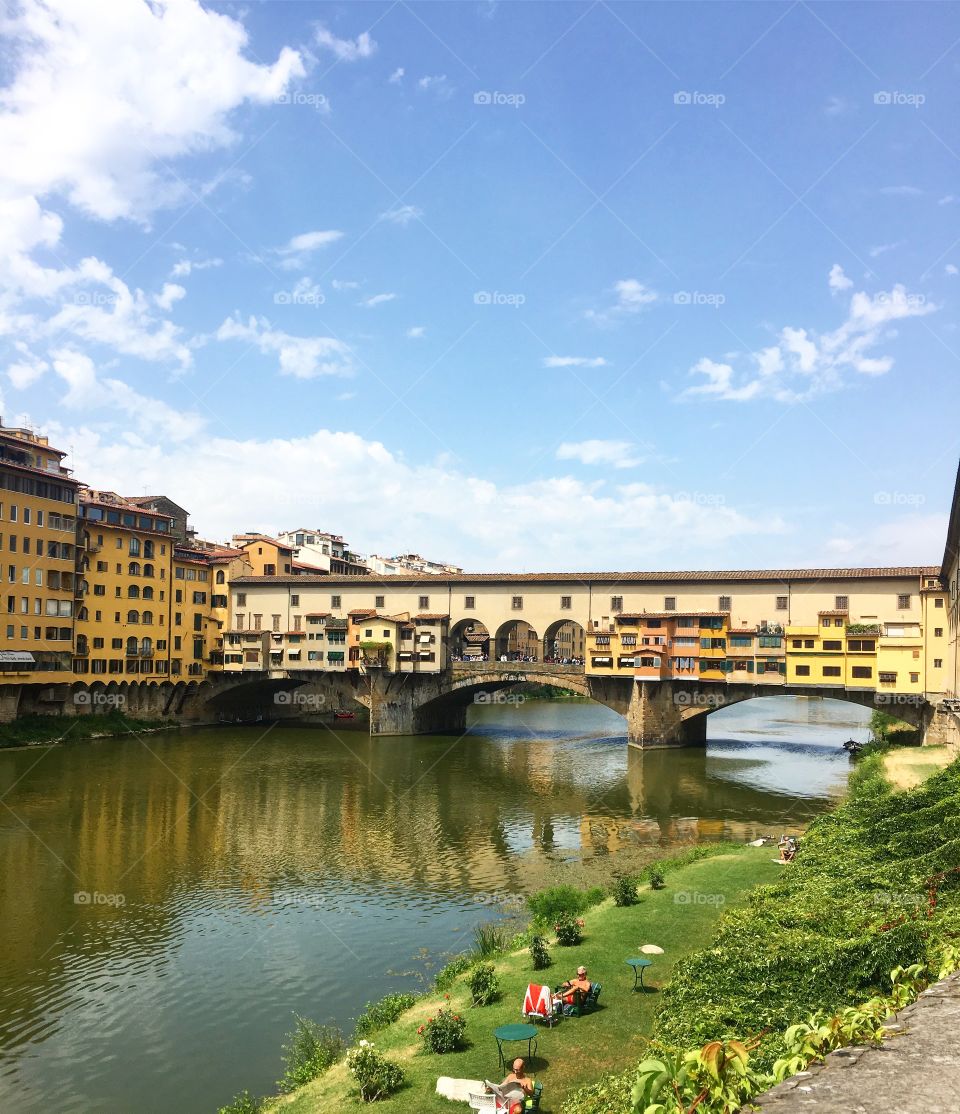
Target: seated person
[[517, 1085], [788, 849], [572, 988]]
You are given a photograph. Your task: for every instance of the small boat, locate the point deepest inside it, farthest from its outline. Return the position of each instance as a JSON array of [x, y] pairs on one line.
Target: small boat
[[344, 715]]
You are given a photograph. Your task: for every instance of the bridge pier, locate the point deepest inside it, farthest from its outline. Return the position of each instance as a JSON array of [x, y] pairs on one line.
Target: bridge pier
[[660, 716]]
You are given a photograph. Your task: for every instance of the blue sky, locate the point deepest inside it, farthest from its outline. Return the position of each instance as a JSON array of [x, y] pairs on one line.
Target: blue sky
[[513, 285]]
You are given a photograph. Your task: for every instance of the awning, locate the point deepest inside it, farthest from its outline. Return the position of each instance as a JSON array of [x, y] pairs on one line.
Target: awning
[[17, 657], [603, 661]]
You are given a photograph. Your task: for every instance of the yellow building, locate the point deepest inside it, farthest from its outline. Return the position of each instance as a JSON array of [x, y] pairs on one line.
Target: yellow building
[[267, 556], [125, 567], [38, 504], [193, 630]]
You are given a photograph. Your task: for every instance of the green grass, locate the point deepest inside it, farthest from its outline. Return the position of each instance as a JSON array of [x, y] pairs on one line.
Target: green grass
[[54, 729], [578, 1050]]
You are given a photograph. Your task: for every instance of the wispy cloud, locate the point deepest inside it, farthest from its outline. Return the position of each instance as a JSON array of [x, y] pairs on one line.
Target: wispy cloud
[[901, 191], [184, 267], [574, 361], [437, 84], [632, 296], [402, 214], [615, 454], [837, 279], [882, 249], [377, 299], [297, 250], [346, 50], [397, 76], [803, 363], [415, 332], [301, 357]]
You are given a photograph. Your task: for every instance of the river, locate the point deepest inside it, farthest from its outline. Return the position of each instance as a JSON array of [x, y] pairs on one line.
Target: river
[[167, 903]]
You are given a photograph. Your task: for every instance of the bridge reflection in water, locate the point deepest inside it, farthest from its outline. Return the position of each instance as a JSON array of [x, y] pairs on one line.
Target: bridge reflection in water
[[265, 872]]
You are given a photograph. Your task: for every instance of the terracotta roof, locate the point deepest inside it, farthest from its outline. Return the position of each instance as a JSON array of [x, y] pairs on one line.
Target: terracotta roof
[[666, 577], [318, 614], [363, 611], [249, 539], [316, 568], [835, 611], [428, 617], [741, 630]]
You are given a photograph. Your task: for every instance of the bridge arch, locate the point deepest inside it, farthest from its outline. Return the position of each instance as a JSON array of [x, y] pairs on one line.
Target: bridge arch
[[470, 641], [517, 640], [563, 640]]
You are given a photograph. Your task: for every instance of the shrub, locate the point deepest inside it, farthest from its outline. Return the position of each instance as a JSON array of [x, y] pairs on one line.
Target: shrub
[[657, 881], [624, 890], [378, 1077], [443, 1032], [309, 1051], [448, 975], [378, 1015], [484, 984], [569, 931], [547, 906], [539, 953], [244, 1103], [489, 939]]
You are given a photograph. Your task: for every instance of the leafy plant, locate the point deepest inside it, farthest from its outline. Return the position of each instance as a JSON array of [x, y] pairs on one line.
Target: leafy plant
[[548, 905], [310, 1050], [244, 1103], [657, 880], [624, 890], [377, 1076], [378, 1015], [447, 976], [444, 1032], [489, 939], [717, 1077], [484, 984], [569, 931], [539, 953]]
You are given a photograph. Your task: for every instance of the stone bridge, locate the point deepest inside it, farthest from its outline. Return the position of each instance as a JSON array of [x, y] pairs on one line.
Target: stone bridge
[[657, 713]]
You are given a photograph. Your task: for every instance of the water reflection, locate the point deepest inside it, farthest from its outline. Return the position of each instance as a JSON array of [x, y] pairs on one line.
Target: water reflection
[[295, 870]]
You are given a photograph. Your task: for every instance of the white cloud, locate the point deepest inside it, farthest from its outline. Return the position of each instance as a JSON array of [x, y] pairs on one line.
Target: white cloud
[[301, 357], [95, 104], [882, 249], [574, 361], [346, 50], [838, 279], [295, 253], [836, 106], [632, 296], [377, 299], [951, 269], [416, 331], [617, 454], [397, 76], [374, 493], [436, 83], [184, 267], [342, 284], [170, 293], [27, 370], [906, 540], [402, 214], [803, 363], [901, 191], [86, 391], [947, 199]]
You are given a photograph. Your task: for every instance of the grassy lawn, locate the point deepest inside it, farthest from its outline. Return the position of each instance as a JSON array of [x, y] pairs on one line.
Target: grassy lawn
[[911, 766], [577, 1050]]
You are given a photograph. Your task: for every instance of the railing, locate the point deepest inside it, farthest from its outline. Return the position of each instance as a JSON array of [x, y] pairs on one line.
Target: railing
[[515, 667]]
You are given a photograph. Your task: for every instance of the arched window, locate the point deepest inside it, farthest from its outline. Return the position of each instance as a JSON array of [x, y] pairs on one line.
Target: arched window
[[133, 616], [146, 617], [148, 570], [83, 615], [146, 646], [134, 568], [131, 645], [148, 549], [221, 578], [134, 547], [148, 593], [133, 591]]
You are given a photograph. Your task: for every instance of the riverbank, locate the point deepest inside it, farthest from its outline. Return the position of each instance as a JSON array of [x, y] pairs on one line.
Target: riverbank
[[34, 731], [679, 918]]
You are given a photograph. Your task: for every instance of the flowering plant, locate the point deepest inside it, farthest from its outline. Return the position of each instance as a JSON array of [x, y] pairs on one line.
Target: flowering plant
[[378, 1077], [443, 1032]]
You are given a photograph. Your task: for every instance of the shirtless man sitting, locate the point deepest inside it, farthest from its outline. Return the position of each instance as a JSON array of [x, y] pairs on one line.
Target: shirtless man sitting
[[572, 988]]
